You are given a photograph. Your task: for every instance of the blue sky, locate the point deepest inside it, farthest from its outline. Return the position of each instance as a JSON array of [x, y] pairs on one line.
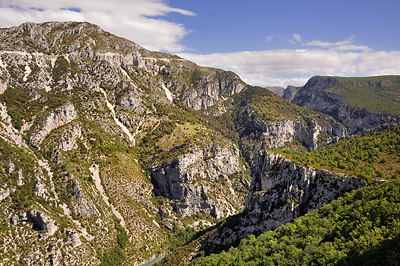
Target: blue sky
[[253, 25], [267, 42]]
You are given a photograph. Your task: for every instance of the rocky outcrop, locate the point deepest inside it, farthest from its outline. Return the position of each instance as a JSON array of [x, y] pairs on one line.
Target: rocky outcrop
[[307, 132], [73, 236], [40, 221], [69, 137], [290, 92], [81, 206], [211, 88], [76, 89], [281, 191], [314, 95], [57, 118], [197, 87], [76, 92], [276, 134], [194, 180]]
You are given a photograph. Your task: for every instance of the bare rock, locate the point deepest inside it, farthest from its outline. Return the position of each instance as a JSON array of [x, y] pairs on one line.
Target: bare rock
[[40, 221], [68, 139], [73, 237], [57, 118], [188, 179], [81, 206], [20, 178], [314, 95], [280, 192]]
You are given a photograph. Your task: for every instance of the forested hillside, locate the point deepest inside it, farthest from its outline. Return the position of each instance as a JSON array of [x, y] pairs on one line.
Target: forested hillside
[[369, 156], [360, 228]]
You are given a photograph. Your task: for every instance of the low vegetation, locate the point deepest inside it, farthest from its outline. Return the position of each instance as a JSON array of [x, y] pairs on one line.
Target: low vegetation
[[117, 255], [22, 105]]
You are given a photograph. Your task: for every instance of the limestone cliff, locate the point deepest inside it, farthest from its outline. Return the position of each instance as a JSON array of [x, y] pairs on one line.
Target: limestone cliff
[[265, 120], [110, 151], [343, 100], [208, 178], [280, 191]]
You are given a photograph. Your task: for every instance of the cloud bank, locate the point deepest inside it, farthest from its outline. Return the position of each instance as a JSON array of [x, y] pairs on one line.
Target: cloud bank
[[137, 20], [294, 67], [144, 21]]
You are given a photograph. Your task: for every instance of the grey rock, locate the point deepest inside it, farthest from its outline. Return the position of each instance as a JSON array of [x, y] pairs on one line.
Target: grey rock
[[57, 118], [5, 192], [290, 92], [315, 97], [55, 257], [73, 237], [10, 166], [209, 90], [187, 179], [41, 190], [81, 206], [40, 221], [69, 137], [280, 192], [20, 178], [263, 134]]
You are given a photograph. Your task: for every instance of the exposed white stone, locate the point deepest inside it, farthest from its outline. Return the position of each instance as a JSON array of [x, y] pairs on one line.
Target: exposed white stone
[[57, 118], [73, 237], [282, 191], [122, 126], [94, 169], [27, 72], [20, 178], [68, 139], [180, 179], [168, 93]]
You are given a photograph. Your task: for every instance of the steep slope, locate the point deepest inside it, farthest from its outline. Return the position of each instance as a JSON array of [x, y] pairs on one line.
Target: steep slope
[[265, 120], [361, 228], [169, 75], [357, 103], [372, 155], [281, 191], [88, 121], [113, 154], [287, 184]]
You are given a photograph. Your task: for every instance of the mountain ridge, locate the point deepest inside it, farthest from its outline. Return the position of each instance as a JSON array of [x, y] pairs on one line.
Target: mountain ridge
[[112, 154], [357, 103]]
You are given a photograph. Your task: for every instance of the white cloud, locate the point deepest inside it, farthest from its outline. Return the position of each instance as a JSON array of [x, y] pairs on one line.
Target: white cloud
[[345, 45], [136, 20], [295, 67], [297, 37], [269, 38]]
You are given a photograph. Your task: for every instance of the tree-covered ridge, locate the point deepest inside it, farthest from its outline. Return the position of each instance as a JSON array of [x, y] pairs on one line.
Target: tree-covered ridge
[[362, 227], [369, 156], [379, 94]]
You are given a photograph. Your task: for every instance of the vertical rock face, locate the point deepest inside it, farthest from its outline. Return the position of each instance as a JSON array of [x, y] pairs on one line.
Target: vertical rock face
[[195, 180], [280, 192], [212, 88], [290, 92], [276, 134], [314, 95], [263, 134], [40, 221]]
